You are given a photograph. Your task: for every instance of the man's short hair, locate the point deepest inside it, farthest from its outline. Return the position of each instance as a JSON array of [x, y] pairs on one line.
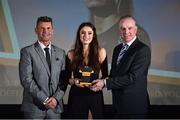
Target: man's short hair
[[44, 19], [128, 16]]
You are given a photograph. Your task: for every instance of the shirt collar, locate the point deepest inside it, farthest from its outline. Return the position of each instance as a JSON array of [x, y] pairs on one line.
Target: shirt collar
[[129, 43], [43, 46]]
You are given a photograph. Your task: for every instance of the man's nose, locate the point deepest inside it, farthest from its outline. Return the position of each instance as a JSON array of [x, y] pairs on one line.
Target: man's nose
[[45, 31], [126, 31]]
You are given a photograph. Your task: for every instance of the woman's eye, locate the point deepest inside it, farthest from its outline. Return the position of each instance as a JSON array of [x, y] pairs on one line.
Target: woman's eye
[[90, 33]]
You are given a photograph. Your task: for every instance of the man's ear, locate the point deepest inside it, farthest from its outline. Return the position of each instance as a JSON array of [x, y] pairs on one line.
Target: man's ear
[[35, 30]]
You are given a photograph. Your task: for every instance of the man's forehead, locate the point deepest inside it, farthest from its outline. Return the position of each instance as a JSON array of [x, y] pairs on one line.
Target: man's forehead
[[128, 22], [44, 24]]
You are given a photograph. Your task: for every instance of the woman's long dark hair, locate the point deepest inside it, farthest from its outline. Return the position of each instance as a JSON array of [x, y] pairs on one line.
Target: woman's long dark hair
[[93, 56]]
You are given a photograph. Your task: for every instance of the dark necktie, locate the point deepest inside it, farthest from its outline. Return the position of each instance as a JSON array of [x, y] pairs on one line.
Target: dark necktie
[[48, 57], [122, 52], [49, 64]]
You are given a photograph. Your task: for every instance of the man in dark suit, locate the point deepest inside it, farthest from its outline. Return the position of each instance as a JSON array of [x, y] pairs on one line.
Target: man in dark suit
[[129, 70], [105, 15], [41, 70]]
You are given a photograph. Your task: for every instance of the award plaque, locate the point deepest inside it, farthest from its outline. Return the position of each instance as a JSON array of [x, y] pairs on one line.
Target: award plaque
[[86, 75]]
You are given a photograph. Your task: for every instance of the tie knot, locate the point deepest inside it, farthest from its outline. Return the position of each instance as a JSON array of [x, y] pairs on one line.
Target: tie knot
[[125, 46], [46, 49]]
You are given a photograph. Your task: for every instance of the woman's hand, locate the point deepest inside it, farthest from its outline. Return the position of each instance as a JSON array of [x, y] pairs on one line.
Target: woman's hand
[[71, 81], [75, 81]]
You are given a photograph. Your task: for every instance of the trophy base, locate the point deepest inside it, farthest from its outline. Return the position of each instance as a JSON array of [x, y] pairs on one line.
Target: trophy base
[[85, 83]]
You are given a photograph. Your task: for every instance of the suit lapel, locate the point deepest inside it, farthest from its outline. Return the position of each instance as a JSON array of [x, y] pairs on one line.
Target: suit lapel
[[53, 58], [117, 52], [129, 51], [42, 57], [115, 56], [132, 48]]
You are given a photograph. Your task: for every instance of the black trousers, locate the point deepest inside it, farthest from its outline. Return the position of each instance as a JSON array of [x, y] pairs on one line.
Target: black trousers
[[79, 106], [49, 114], [131, 116]]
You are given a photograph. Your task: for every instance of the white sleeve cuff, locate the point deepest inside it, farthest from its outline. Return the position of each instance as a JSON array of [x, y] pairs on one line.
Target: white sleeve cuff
[[104, 80], [45, 102]]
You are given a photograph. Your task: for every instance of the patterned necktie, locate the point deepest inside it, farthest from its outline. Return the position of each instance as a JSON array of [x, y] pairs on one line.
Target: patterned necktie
[[122, 52], [48, 57]]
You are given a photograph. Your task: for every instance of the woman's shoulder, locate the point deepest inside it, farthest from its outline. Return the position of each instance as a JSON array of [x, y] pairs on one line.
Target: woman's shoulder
[[102, 50], [102, 54]]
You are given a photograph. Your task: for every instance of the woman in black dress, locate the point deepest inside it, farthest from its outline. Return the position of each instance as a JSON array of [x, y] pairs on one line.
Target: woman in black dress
[[86, 54]]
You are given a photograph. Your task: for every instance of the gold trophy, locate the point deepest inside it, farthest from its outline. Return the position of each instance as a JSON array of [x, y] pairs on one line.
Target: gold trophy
[[86, 75]]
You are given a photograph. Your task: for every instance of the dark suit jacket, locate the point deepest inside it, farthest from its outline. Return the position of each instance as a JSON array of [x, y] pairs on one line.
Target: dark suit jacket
[[128, 80], [35, 74]]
